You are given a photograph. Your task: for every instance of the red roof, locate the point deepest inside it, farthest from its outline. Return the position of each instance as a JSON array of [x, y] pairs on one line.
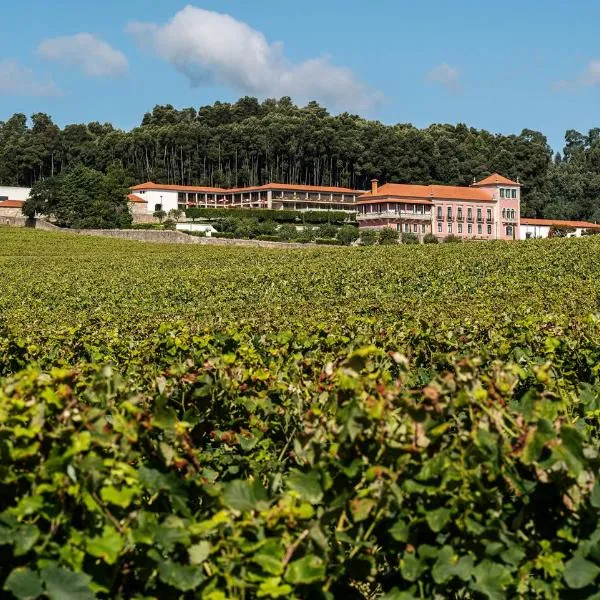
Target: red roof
[[269, 186], [136, 199], [428, 192], [12, 203], [556, 223], [495, 179]]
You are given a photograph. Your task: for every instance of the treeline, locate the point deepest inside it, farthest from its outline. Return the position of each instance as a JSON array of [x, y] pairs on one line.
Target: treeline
[[251, 143]]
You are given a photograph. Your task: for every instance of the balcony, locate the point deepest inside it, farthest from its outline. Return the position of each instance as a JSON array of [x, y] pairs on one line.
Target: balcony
[[450, 218], [469, 219], [460, 218], [392, 214], [489, 220]]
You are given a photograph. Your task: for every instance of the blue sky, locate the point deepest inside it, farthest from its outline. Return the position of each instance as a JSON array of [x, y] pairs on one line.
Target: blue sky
[[502, 66]]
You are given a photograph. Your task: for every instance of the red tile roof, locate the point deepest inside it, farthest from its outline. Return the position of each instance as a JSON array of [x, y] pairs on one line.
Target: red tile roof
[[495, 179], [556, 223], [12, 203], [136, 199], [269, 186], [428, 192]]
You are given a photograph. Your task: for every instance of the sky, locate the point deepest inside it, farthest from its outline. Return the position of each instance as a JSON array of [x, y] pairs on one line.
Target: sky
[[502, 66]]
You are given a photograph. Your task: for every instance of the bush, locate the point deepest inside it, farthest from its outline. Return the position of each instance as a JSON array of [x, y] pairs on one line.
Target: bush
[[387, 235], [308, 232], [229, 235], [452, 239], [326, 242], [196, 233], [304, 239], [347, 234], [410, 238], [265, 228], [429, 238], [368, 237], [246, 228], [149, 226], [169, 224], [287, 232], [279, 216], [269, 238], [326, 231]]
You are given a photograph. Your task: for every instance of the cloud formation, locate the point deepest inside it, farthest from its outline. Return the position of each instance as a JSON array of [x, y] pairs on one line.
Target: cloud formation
[[18, 80], [85, 52], [445, 75], [214, 48], [589, 78]]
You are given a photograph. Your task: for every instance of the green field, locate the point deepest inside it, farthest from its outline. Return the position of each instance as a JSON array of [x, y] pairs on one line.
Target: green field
[[220, 422]]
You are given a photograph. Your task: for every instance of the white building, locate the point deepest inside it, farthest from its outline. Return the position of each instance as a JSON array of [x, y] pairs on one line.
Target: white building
[[14, 193], [541, 228]]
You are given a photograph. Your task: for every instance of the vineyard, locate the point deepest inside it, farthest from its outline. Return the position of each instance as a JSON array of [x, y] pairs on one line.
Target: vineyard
[[390, 422]]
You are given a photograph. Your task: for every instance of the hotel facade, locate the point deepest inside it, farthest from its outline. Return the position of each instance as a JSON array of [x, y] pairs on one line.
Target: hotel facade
[[488, 209]]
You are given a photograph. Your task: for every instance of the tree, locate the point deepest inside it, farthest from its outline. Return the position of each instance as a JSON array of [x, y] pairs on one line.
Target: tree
[[81, 198], [175, 214], [161, 215], [387, 235], [368, 237], [347, 234]]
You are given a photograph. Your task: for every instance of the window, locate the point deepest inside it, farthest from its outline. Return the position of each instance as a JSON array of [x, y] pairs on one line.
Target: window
[[420, 209], [439, 216], [489, 214], [449, 227], [459, 211], [469, 228], [512, 214], [157, 207], [415, 228], [489, 230], [423, 228], [509, 230], [406, 227], [439, 228], [504, 213], [528, 235], [470, 213], [513, 193], [501, 192], [460, 228], [479, 217], [449, 212], [479, 229]]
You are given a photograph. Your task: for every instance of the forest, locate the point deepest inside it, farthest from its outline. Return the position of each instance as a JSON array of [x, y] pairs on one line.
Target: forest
[[250, 142]]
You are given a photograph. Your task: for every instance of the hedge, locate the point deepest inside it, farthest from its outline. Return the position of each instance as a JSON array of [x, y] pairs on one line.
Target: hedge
[[279, 216]]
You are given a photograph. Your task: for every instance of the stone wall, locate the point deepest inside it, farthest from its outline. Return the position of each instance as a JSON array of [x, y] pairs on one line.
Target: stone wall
[[22, 221]]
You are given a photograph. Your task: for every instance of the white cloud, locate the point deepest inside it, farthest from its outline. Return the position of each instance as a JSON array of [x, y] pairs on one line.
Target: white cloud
[[589, 78], [18, 80], [446, 76], [86, 52], [214, 48]]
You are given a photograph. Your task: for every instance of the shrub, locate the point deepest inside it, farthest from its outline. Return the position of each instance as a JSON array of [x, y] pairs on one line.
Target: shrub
[[287, 231], [560, 231], [429, 238], [326, 242], [224, 234], [410, 238], [160, 215], [279, 216], [368, 237], [265, 228], [149, 226], [169, 224], [387, 235], [452, 239], [326, 231], [303, 239], [347, 234], [269, 238]]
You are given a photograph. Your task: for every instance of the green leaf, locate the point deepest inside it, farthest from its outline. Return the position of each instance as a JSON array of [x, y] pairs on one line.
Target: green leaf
[[24, 584], [25, 539], [399, 531], [437, 519], [491, 580], [411, 567], [62, 584], [443, 569], [580, 572], [308, 569], [270, 557], [595, 498], [117, 497], [182, 577], [272, 588], [199, 552], [307, 485], [108, 546], [245, 495]]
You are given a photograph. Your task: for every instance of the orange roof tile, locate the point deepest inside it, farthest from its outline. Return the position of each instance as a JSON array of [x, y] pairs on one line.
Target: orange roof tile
[[429, 192], [136, 199], [12, 203], [556, 223], [269, 186], [495, 179]]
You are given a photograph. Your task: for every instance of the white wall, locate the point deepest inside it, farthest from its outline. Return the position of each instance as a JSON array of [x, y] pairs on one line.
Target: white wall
[[208, 229], [168, 199], [542, 231], [15, 193]]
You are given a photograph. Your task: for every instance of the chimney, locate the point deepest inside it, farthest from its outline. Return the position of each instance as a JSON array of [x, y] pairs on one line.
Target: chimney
[[374, 184]]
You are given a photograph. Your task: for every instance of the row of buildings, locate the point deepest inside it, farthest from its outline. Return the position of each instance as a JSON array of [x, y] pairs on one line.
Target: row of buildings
[[488, 209]]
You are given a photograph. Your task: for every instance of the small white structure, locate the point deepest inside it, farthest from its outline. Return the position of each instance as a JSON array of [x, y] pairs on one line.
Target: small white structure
[[540, 228], [14, 193], [196, 228]]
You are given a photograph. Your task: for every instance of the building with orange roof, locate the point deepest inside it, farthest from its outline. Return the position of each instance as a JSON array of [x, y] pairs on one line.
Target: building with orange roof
[[488, 209], [271, 195], [543, 228]]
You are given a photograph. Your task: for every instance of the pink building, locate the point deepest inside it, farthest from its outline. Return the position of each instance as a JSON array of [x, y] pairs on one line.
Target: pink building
[[488, 209]]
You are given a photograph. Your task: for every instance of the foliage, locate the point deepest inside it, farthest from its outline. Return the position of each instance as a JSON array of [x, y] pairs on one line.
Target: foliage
[[82, 198], [387, 235], [368, 237], [452, 239], [347, 234], [287, 232], [410, 238], [161, 215], [277, 216], [560, 231], [326, 241], [237, 423], [430, 238]]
